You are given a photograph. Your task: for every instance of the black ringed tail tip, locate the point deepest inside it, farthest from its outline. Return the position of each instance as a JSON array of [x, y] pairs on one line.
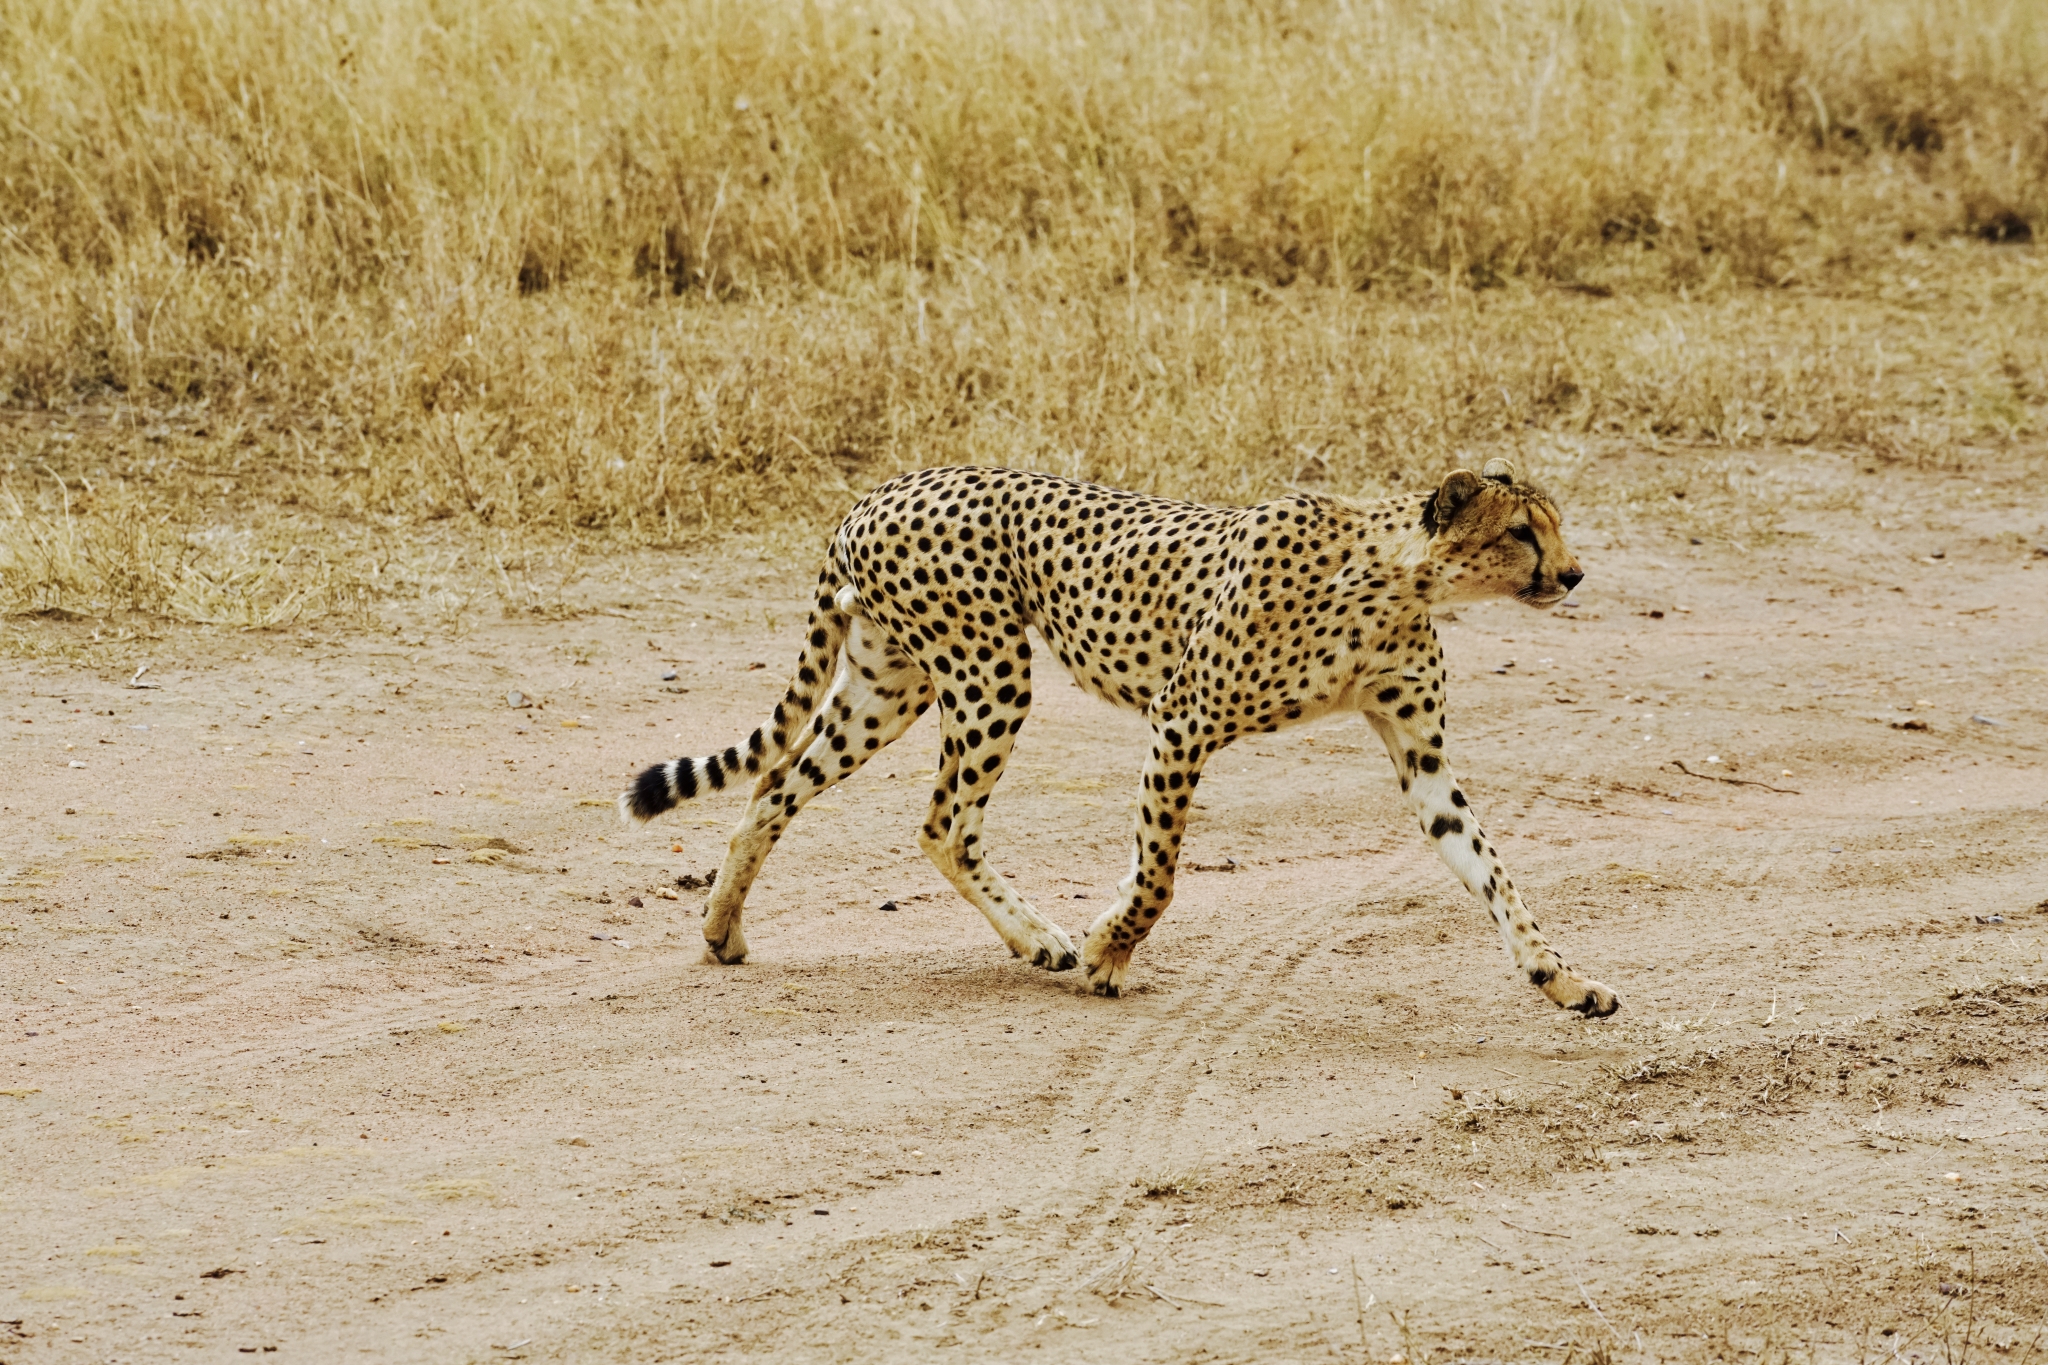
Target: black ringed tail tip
[[649, 795]]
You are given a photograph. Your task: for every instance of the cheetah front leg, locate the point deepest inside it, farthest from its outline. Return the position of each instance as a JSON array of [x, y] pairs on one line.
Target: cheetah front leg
[[1453, 826]]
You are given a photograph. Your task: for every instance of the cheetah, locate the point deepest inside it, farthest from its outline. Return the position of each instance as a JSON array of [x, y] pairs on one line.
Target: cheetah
[[1213, 622]]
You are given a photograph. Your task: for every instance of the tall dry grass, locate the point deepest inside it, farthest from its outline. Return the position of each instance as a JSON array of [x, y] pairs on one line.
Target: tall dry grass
[[341, 146], [648, 270]]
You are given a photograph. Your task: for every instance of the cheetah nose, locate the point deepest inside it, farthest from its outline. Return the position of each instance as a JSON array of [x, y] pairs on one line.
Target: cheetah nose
[[1571, 578]]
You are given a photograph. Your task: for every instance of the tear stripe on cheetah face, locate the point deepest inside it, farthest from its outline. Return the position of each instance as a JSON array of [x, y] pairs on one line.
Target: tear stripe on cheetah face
[[1214, 622]]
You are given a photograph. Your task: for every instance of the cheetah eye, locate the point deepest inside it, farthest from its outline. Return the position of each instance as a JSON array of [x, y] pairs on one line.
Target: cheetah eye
[[1525, 534]]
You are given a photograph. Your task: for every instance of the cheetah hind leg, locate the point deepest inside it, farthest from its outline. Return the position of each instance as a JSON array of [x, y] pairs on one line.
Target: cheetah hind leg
[[951, 838], [877, 695]]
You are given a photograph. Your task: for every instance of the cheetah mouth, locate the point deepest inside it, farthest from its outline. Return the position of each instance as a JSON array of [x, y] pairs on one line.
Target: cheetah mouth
[[1542, 598]]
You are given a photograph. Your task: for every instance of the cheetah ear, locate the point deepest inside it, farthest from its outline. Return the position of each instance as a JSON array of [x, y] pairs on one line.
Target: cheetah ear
[[1499, 470], [1449, 499]]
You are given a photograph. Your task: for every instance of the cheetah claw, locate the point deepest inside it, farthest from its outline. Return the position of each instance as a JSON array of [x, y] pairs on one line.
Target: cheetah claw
[[1063, 962], [1047, 946]]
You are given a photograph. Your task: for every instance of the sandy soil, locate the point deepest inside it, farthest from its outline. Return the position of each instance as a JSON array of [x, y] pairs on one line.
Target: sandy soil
[[346, 1021]]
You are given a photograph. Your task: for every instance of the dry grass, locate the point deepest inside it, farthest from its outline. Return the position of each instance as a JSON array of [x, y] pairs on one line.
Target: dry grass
[[342, 148], [99, 554], [282, 285]]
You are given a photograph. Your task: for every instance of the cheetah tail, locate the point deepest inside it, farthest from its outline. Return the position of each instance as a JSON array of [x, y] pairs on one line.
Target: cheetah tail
[[667, 785]]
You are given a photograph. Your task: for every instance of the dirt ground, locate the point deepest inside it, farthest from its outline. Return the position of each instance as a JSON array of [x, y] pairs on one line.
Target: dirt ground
[[347, 1021]]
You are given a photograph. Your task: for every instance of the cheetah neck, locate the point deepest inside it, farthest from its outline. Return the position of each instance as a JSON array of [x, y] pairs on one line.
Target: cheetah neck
[[1393, 535]]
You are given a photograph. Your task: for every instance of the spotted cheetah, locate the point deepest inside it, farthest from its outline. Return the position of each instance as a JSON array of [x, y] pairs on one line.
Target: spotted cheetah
[[1214, 622]]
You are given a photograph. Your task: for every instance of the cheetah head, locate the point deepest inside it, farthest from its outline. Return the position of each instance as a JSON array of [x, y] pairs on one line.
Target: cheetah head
[[1497, 535]]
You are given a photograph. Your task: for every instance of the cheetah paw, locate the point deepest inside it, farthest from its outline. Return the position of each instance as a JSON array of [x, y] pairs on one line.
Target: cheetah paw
[[1051, 949], [1107, 979], [1582, 996], [1105, 963], [730, 953]]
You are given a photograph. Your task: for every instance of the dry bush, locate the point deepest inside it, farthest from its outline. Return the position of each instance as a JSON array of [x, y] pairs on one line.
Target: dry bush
[[650, 271]]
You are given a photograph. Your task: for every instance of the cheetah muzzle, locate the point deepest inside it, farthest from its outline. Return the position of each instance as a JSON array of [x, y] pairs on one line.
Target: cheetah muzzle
[[1213, 622]]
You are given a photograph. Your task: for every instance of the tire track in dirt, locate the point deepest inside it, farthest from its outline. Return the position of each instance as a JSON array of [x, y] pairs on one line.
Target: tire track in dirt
[[1227, 1015], [1219, 1004], [1227, 1002], [1142, 1110]]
